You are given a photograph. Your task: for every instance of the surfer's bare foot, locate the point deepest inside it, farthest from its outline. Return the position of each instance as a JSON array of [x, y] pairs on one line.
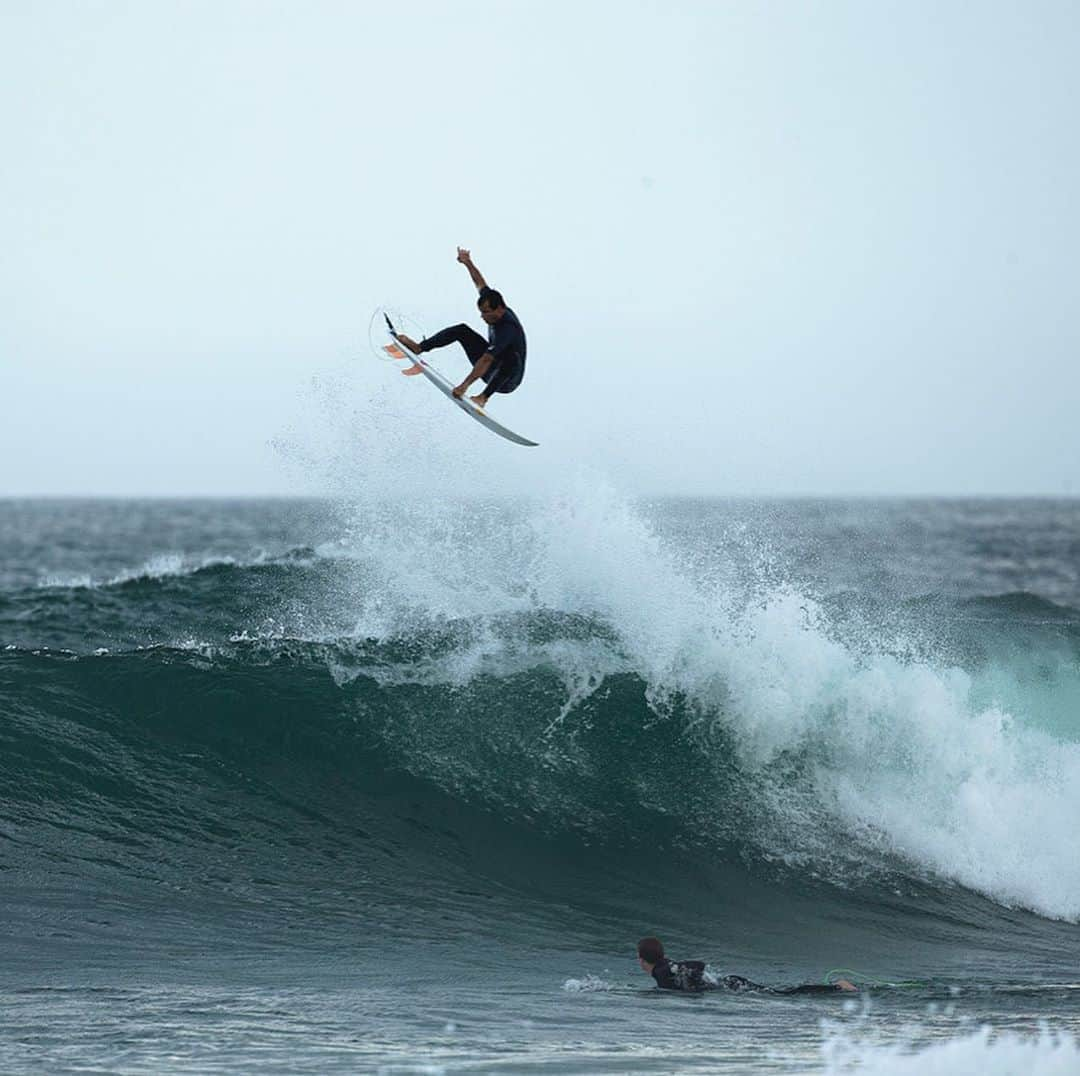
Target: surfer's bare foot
[[480, 401], [459, 392], [412, 345]]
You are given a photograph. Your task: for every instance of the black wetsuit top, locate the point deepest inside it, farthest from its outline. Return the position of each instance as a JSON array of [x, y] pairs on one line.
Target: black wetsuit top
[[506, 341], [681, 975], [690, 975]]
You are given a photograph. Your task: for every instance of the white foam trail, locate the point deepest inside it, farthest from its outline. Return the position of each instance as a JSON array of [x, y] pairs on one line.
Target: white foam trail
[[66, 582], [160, 566], [590, 984]]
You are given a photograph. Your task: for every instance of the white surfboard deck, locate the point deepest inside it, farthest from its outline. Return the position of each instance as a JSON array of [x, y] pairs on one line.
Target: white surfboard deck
[[396, 351]]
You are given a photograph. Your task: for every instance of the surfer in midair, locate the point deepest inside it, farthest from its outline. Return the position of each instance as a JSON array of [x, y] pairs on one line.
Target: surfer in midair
[[499, 360]]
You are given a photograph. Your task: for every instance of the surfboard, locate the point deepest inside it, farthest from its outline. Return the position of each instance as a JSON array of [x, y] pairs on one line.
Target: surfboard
[[420, 365]]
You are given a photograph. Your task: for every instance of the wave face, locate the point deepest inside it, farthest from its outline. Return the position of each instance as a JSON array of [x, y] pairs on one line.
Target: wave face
[[401, 706]]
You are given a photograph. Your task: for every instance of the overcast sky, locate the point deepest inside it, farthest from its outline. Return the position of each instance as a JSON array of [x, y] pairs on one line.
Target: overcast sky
[[757, 247]]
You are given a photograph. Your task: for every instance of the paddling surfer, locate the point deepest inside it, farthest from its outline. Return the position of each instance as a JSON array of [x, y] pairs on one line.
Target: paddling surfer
[[691, 976], [500, 359]]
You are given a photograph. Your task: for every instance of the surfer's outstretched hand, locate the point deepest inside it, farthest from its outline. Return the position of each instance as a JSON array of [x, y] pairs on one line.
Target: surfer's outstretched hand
[[463, 256]]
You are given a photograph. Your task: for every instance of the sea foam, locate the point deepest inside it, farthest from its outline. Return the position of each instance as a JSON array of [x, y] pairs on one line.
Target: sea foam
[[1046, 1053]]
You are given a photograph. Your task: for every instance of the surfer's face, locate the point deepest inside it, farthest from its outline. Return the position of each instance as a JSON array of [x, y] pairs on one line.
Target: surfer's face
[[491, 314]]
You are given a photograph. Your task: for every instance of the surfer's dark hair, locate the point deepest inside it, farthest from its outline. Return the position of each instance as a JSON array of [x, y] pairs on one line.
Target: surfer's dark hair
[[651, 950], [492, 297]]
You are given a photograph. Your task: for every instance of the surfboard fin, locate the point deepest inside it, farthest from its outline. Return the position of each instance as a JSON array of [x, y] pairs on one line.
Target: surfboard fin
[[416, 368]]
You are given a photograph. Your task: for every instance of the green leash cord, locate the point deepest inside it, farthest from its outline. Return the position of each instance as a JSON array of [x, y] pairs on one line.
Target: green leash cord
[[869, 980]]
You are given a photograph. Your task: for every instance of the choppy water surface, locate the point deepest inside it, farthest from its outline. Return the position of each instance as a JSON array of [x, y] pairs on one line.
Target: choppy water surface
[[303, 786]]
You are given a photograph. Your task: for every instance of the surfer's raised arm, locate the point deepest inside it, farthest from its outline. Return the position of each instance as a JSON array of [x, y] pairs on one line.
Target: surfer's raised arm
[[465, 258]]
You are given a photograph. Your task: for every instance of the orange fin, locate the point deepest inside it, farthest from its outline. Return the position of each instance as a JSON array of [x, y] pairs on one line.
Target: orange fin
[[394, 351], [416, 368]]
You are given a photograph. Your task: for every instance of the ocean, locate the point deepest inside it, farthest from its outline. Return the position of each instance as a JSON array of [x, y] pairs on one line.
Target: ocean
[[395, 786]]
